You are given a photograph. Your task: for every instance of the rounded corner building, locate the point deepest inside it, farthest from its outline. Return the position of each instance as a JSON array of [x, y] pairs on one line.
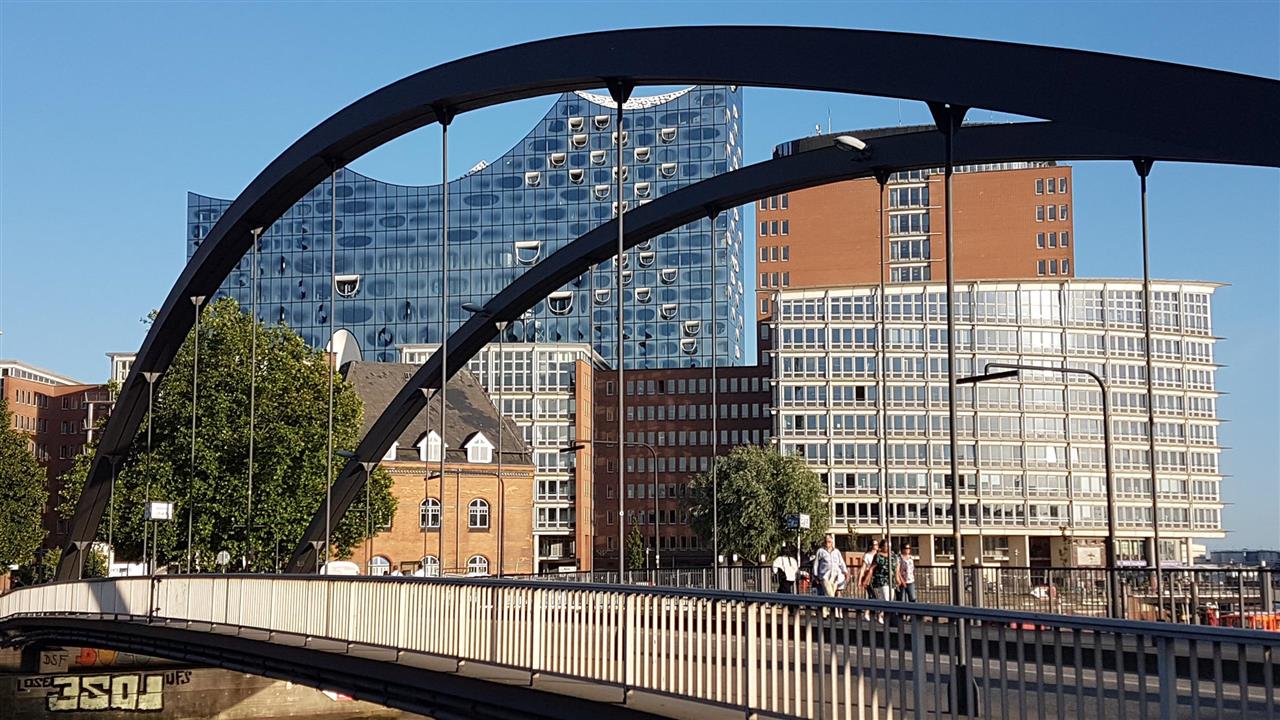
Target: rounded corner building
[[555, 184]]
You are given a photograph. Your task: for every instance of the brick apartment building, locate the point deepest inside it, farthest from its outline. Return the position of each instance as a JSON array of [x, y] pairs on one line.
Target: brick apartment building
[[57, 415], [669, 411], [1013, 221], [450, 526]]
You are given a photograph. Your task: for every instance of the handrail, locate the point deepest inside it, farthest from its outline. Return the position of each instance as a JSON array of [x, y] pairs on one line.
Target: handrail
[[1172, 630]]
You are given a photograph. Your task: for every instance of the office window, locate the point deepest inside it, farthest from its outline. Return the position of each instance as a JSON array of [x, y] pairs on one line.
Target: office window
[[1051, 186], [786, 252], [1053, 267], [786, 279], [786, 226], [1039, 186], [773, 228], [785, 203], [1053, 213], [764, 203], [773, 254], [1040, 266], [764, 279], [1040, 240], [764, 229], [1066, 266], [764, 254], [1062, 185], [1039, 213], [1062, 212], [1053, 239], [773, 202]]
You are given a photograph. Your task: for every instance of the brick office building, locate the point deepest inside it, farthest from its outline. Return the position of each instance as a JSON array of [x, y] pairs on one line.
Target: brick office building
[[53, 412], [454, 526], [1012, 221], [670, 412]]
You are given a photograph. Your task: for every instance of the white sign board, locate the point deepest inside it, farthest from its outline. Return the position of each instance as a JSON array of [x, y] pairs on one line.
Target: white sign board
[[157, 510]]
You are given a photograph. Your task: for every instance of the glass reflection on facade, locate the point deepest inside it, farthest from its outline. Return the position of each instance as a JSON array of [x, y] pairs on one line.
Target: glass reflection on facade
[[504, 217]]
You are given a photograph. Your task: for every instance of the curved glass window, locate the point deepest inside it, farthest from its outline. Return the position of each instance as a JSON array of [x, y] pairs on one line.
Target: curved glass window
[[643, 294], [597, 157], [576, 124], [669, 311], [557, 159], [601, 121], [689, 346], [527, 252], [668, 170], [560, 303], [667, 135], [579, 141], [576, 176], [668, 275], [642, 154], [692, 327]]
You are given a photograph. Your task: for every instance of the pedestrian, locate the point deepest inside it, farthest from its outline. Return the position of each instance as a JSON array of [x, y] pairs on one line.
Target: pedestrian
[[829, 570], [785, 567], [906, 575], [883, 571], [864, 574]]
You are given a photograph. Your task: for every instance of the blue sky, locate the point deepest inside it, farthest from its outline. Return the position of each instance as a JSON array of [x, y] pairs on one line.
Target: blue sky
[[110, 113]]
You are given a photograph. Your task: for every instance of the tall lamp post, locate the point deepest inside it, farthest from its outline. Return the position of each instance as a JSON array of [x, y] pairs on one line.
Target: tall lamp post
[[1143, 166], [1012, 370], [368, 523], [197, 301], [151, 378], [498, 384], [657, 518]]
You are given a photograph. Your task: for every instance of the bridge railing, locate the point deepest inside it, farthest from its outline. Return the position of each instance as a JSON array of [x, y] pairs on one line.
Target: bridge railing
[[777, 655]]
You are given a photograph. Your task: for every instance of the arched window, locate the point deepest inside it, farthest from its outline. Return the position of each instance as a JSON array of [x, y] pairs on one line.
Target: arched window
[[429, 514], [478, 565], [431, 566], [478, 514], [379, 565]]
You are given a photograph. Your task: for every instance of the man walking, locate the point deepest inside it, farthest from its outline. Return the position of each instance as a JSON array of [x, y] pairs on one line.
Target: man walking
[[829, 569], [864, 573], [883, 572]]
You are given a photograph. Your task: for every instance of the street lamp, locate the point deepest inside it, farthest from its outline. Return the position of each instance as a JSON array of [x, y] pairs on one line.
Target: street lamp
[[1012, 370], [498, 384], [151, 378], [197, 301], [1143, 166], [368, 480], [253, 381], [657, 518]]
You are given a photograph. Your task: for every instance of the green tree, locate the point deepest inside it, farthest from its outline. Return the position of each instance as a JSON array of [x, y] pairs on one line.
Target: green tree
[[635, 549], [290, 447], [22, 496], [758, 489]]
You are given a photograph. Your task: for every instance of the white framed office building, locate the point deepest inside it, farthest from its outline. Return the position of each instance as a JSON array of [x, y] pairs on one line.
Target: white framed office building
[[1037, 453]]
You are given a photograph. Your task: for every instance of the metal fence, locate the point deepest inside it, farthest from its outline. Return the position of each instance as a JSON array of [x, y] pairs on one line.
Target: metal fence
[[1231, 597], [741, 579], [754, 654]]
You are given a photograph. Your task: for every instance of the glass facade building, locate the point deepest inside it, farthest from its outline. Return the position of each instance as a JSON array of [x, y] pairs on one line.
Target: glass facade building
[[1031, 449], [557, 183]]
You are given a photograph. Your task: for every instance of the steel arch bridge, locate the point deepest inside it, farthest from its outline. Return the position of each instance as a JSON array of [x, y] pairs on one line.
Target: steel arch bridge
[[1101, 107]]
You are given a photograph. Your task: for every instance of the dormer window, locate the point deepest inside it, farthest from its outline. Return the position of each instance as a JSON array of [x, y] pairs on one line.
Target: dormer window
[[479, 449], [557, 159], [391, 452], [429, 447], [579, 141], [667, 135], [575, 124]]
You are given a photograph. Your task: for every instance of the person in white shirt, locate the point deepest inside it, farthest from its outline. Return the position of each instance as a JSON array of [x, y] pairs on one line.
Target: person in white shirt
[[785, 568], [829, 569]]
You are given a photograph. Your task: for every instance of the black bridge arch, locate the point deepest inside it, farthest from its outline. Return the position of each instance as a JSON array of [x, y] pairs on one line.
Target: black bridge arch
[[1180, 112]]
